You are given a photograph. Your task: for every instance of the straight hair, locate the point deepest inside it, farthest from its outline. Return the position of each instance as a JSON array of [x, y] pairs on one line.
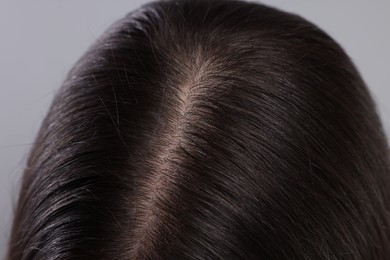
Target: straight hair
[[208, 129]]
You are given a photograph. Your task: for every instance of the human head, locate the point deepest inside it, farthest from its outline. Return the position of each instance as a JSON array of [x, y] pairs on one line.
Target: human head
[[208, 129]]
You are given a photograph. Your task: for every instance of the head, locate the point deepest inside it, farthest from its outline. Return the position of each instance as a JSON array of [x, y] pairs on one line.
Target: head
[[208, 129]]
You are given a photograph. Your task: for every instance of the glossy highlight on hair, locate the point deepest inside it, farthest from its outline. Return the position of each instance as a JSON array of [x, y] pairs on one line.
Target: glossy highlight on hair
[[208, 129]]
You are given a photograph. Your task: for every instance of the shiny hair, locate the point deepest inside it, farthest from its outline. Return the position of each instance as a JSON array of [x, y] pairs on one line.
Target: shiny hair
[[208, 129]]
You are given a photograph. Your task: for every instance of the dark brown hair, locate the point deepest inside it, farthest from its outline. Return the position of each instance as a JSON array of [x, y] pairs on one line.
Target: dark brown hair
[[206, 129]]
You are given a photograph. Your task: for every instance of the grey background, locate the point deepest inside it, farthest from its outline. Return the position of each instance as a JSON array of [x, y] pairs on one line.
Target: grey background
[[41, 40]]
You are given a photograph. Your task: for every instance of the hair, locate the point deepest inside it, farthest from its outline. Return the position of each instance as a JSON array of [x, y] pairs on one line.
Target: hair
[[208, 129]]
